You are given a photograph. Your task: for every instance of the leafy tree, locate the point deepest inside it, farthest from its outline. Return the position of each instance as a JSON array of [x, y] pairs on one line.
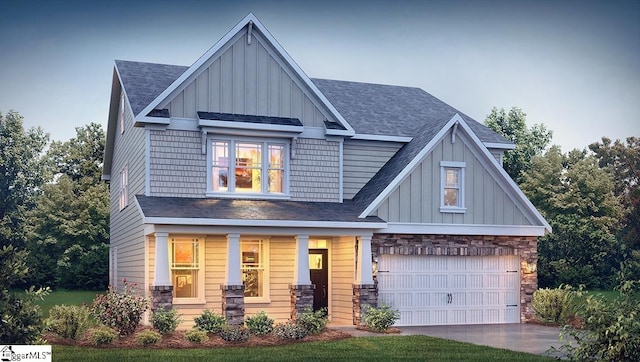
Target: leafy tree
[[21, 173], [576, 197], [530, 142], [69, 227]]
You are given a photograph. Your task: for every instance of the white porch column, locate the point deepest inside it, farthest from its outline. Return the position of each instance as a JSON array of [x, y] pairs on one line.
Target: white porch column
[[364, 273], [301, 274], [161, 271], [232, 276]]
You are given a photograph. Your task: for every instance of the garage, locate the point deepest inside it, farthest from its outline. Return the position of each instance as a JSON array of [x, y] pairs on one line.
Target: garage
[[439, 290]]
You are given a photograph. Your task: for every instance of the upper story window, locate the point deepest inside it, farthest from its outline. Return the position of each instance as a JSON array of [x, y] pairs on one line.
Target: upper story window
[[452, 186], [123, 200], [249, 167]]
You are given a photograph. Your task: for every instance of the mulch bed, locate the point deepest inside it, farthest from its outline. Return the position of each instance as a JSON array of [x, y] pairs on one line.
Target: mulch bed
[[177, 340]]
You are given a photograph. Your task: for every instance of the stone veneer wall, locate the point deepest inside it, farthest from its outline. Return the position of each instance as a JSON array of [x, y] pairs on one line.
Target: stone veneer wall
[[526, 247], [161, 297], [365, 294], [301, 299], [233, 303]]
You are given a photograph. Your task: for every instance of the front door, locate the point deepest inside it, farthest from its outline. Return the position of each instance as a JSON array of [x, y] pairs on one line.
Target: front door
[[319, 272]]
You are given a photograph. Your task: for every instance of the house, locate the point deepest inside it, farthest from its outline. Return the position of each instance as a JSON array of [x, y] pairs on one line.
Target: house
[[239, 184]]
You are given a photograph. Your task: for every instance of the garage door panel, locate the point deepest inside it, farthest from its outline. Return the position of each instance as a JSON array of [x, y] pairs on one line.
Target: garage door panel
[[438, 290]]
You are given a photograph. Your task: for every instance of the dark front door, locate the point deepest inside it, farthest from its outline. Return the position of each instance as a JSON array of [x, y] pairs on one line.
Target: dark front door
[[319, 270]]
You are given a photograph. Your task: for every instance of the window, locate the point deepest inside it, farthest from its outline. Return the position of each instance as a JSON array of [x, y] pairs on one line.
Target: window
[[186, 263], [452, 182], [122, 113], [249, 167], [254, 276], [124, 188]]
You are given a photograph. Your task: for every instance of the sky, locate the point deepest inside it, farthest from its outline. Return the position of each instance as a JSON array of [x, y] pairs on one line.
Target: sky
[[573, 66]]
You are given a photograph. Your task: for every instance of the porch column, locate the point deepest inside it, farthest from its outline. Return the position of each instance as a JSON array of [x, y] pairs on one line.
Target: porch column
[[365, 291], [233, 289], [301, 290], [162, 289]]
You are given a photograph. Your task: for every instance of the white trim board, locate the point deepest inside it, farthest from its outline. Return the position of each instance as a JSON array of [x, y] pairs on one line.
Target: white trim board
[[462, 229]]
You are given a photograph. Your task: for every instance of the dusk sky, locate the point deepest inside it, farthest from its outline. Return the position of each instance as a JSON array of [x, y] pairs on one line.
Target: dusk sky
[[572, 65]]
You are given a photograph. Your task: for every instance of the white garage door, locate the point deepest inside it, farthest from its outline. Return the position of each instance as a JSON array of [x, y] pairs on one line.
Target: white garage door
[[438, 290]]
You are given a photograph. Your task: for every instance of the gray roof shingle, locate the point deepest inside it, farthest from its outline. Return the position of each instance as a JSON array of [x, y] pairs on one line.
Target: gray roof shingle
[[232, 209], [249, 118], [143, 82]]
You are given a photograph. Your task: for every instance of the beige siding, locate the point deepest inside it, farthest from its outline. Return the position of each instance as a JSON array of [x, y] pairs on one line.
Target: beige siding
[[362, 160], [315, 171], [281, 264], [247, 79], [417, 198], [342, 278], [177, 166], [126, 232]]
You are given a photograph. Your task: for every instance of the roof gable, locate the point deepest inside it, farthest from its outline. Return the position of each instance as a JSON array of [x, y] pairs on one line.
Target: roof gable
[[253, 30], [392, 174]]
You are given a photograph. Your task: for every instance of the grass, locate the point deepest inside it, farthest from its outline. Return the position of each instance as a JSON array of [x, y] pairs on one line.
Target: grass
[[69, 297], [386, 348]]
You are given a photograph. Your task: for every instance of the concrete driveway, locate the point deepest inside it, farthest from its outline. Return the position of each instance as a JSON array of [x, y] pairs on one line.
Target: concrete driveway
[[529, 338]]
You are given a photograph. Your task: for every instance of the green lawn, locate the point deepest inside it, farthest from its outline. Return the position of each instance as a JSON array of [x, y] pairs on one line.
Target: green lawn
[[360, 348], [75, 297]]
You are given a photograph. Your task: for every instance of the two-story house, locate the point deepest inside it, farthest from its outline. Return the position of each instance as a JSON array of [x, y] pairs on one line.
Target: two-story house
[[239, 184]]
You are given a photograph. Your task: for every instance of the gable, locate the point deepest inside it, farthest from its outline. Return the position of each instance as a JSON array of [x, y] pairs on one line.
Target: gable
[[417, 198]]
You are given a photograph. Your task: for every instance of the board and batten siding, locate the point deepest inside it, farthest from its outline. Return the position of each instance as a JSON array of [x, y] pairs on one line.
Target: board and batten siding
[[342, 279], [315, 171], [362, 159], [417, 198], [126, 230], [177, 167], [247, 79]]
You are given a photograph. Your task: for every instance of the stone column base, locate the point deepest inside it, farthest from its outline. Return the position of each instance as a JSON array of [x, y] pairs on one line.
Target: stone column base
[[301, 299], [233, 303], [161, 297], [363, 294]]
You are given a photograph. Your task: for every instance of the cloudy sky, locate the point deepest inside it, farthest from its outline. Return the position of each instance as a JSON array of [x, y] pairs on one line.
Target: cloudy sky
[[572, 65]]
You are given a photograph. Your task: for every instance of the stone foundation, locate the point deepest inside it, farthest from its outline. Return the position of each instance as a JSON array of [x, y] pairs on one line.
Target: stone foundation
[[301, 299], [526, 247], [365, 294], [161, 297], [233, 303]]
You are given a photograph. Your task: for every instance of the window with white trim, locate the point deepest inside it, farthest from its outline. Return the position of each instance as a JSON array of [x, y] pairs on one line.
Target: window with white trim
[[186, 262], [452, 186], [254, 256], [246, 166], [122, 113], [124, 188]]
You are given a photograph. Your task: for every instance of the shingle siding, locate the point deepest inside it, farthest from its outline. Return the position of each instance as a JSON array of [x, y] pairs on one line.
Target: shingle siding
[[177, 166], [315, 171]]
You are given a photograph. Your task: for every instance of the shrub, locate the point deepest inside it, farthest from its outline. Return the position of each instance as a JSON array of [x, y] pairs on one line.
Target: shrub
[[20, 316], [148, 337], [196, 336], [121, 311], [554, 305], [165, 321], [612, 328], [289, 330], [379, 319], [102, 335], [68, 321], [259, 324], [210, 321], [313, 322], [234, 333]]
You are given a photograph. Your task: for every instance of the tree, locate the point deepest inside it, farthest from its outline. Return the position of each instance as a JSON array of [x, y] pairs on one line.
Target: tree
[[21, 174], [69, 227], [530, 142], [576, 196]]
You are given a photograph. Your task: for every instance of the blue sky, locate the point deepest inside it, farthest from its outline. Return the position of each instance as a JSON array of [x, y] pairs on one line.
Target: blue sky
[[572, 65]]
